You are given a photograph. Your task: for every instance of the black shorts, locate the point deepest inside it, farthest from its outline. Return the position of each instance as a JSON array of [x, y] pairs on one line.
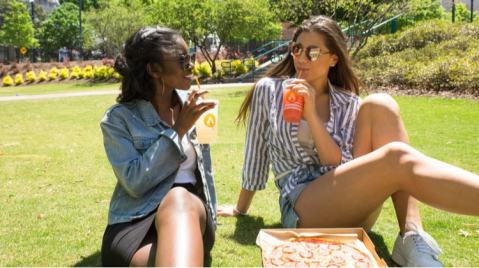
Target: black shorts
[[122, 240]]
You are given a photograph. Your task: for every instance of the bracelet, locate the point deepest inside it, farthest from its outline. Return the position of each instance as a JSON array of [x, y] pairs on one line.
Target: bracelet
[[239, 212]]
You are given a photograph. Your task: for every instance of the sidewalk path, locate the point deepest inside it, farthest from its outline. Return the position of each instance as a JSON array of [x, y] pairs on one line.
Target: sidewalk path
[[101, 92]]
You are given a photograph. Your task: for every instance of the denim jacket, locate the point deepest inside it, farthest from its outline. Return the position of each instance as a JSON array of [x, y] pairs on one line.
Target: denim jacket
[[145, 154]]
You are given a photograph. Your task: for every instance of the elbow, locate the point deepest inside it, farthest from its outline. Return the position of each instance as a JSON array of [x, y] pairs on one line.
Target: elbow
[[131, 183]]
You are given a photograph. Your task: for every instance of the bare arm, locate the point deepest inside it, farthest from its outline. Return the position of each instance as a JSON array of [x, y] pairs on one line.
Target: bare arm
[[242, 205], [328, 151]]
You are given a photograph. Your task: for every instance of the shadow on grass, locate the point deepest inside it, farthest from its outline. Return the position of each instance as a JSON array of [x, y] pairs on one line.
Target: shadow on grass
[[381, 248], [247, 228], [94, 260]]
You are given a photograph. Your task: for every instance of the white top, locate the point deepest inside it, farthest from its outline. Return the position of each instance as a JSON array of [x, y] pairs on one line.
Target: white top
[[305, 137], [186, 172]]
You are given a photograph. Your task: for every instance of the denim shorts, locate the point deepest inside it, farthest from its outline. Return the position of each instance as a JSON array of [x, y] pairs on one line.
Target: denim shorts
[[289, 218]]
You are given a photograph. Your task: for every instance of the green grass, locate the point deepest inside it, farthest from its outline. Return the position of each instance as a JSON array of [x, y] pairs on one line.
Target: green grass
[[62, 87], [56, 182]]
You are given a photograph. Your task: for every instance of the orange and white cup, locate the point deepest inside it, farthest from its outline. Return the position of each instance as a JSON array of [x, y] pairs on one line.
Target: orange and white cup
[[293, 104], [207, 125]]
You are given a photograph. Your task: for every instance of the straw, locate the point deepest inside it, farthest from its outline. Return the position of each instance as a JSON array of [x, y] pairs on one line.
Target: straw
[[299, 74], [197, 82]]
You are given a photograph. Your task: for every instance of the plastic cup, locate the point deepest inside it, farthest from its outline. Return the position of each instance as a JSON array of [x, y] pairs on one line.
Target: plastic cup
[[293, 104], [207, 126]]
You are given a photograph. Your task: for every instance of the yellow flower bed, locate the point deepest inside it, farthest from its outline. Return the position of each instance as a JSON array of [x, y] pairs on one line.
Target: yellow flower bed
[[31, 77], [7, 81], [18, 79]]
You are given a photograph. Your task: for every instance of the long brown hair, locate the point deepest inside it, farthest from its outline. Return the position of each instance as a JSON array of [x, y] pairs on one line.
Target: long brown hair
[[341, 74]]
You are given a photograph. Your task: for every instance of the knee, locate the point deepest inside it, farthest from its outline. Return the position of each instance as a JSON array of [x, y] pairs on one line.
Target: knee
[[178, 201], [380, 104], [400, 157]]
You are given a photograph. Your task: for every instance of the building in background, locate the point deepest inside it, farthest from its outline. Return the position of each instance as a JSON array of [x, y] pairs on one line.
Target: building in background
[[47, 5]]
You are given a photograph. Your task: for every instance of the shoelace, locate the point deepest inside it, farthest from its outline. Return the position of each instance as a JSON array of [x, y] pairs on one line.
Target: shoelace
[[424, 242]]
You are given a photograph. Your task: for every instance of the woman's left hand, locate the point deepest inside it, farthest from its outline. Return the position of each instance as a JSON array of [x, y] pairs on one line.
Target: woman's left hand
[[305, 90]]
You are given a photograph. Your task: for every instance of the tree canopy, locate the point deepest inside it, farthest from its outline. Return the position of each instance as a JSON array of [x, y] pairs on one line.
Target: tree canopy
[[16, 27], [227, 21], [61, 29], [113, 25]]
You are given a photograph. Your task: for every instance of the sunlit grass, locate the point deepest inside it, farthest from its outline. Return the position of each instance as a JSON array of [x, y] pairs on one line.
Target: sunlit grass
[[56, 182]]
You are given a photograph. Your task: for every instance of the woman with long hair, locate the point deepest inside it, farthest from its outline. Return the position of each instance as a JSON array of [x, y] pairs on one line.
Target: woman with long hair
[[337, 166], [163, 208]]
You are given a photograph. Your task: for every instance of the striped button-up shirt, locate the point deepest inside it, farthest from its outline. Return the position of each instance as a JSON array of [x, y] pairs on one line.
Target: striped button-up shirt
[[271, 140]]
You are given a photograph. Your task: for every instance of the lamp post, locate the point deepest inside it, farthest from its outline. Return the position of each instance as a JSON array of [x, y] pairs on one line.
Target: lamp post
[[32, 6], [453, 11], [80, 5], [472, 10]]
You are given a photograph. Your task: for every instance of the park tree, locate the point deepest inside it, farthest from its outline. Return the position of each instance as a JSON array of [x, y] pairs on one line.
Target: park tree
[[228, 21], [115, 23], [463, 14], [62, 29], [357, 17], [421, 10], [16, 27]]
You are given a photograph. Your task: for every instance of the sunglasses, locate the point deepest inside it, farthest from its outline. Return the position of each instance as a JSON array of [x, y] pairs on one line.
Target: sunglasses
[[184, 60], [312, 53]]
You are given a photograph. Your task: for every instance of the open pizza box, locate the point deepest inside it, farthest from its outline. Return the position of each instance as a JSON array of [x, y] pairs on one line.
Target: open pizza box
[[268, 239]]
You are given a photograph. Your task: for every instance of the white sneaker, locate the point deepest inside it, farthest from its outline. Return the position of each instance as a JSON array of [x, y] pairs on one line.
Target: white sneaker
[[416, 249]]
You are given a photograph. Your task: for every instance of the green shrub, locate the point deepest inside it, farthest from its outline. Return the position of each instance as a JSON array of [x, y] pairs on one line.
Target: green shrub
[[421, 10], [18, 79], [446, 59], [430, 32], [7, 81], [30, 77]]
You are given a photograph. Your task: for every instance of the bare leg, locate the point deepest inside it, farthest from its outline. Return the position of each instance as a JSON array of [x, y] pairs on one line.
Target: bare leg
[[379, 123], [342, 197], [145, 255], [180, 222]]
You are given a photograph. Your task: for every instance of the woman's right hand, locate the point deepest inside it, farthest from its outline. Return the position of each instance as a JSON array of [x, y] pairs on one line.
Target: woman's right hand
[[305, 90], [191, 111]]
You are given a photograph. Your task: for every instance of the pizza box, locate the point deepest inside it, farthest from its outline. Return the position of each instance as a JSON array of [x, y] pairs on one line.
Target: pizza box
[[269, 238]]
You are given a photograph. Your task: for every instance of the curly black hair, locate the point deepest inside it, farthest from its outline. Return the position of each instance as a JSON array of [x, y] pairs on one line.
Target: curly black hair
[[148, 44]]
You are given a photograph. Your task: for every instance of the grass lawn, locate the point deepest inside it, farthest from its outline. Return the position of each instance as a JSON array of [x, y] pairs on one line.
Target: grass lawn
[[62, 87], [56, 182]]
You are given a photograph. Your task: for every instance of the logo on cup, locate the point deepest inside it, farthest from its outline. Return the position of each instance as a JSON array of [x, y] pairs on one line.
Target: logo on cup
[[291, 96], [209, 120]]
